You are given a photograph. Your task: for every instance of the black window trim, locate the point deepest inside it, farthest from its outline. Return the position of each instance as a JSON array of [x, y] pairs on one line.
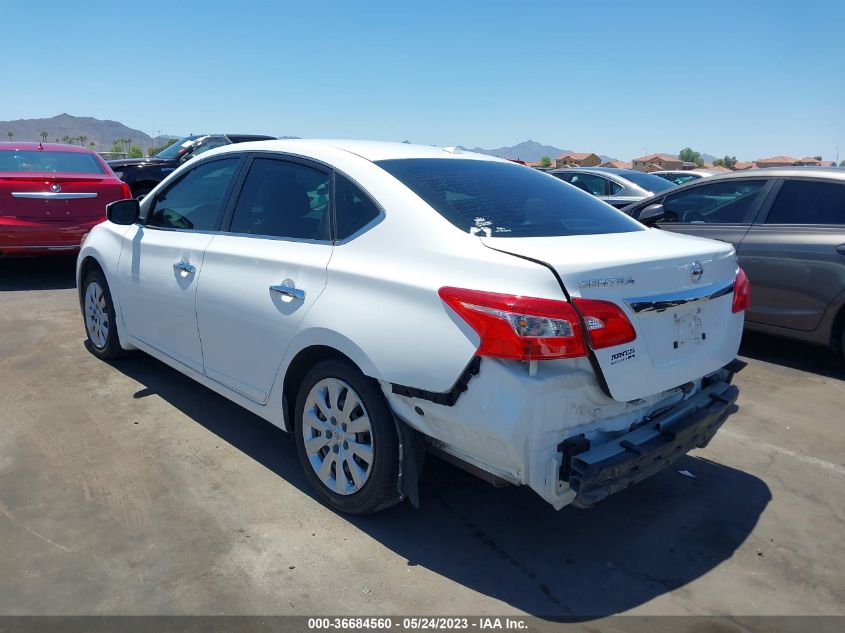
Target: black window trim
[[763, 215], [150, 201]]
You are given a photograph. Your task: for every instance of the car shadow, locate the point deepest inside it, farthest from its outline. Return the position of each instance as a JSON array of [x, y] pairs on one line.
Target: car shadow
[[507, 543], [793, 354], [48, 272]]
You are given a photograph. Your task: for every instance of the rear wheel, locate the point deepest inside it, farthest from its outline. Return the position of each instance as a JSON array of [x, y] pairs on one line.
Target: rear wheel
[[100, 323], [346, 438]]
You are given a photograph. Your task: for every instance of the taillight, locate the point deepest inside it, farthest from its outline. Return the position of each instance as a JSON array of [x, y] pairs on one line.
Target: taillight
[[605, 322], [520, 328], [125, 191], [742, 292]]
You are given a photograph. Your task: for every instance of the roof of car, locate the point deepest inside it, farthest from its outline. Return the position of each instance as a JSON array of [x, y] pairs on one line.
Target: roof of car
[[369, 150], [794, 172], [599, 170], [47, 147]]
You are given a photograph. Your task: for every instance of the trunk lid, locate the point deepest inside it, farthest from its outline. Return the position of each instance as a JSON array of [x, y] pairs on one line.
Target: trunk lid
[[683, 320], [57, 197]]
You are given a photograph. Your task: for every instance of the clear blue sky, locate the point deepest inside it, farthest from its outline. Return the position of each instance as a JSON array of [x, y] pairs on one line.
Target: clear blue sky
[[743, 77]]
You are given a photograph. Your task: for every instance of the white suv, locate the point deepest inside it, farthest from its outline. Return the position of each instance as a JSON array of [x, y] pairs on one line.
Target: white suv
[[381, 299]]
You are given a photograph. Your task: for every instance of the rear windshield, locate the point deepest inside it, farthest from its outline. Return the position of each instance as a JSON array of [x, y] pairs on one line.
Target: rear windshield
[[493, 199], [48, 161], [649, 182]]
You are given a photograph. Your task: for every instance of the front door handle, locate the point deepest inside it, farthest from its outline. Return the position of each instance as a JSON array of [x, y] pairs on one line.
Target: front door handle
[[841, 249], [289, 291], [185, 267]]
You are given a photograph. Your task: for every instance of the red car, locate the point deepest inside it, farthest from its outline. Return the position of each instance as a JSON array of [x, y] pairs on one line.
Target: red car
[[51, 195]]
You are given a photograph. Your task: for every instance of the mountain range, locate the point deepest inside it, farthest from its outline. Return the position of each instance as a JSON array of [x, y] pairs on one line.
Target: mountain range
[[101, 133]]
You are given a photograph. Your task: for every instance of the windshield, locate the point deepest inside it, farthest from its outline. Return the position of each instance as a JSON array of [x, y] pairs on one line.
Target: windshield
[[172, 151], [52, 162], [493, 199], [648, 182]]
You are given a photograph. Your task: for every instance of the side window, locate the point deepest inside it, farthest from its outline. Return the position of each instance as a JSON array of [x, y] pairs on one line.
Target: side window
[[725, 202], [210, 143], [613, 188], [353, 209], [809, 202], [680, 179], [590, 183], [283, 199], [194, 201]]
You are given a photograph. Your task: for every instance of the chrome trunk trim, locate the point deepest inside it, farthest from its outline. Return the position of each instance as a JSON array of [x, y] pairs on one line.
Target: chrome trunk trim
[[661, 302], [49, 195]]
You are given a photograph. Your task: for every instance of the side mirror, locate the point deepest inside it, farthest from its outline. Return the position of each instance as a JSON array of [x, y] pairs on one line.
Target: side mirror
[[123, 212], [652, 214]]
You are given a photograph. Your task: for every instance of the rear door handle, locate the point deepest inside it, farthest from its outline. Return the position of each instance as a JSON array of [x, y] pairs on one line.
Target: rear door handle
[[185, 267], [289, 291], [841, 249]]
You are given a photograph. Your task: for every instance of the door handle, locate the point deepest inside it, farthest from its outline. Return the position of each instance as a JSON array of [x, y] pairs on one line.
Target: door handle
[[289, 291], [841, 249], [185, 267]]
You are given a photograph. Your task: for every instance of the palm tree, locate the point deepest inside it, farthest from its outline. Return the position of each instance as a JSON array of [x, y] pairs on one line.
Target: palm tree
[[66, 139], [44, 136], [10, 134], [82, 138], [92, 145]]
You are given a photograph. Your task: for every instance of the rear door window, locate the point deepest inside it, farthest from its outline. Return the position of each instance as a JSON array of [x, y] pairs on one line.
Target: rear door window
[[499, 199], [809, 202], [724, 202], [592, 184], [284, 199]]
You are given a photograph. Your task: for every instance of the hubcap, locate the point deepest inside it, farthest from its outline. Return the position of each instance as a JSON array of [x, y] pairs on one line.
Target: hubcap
[[96, 315], [338, 436]]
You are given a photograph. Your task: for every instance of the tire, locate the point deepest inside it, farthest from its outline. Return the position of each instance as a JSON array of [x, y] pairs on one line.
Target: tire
[[98, 316], [333, 432]]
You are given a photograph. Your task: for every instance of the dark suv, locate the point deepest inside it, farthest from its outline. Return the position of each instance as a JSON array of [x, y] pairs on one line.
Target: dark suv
[[142, 174], [788, 228]]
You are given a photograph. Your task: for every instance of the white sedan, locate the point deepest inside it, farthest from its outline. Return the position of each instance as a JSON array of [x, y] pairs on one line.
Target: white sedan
[[383, 299]]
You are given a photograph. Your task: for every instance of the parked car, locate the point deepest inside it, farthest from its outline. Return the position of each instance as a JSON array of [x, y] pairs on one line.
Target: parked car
[[683, 176], [617, 187], [380, 299], [143, 174], [788, 227], [51, 195]]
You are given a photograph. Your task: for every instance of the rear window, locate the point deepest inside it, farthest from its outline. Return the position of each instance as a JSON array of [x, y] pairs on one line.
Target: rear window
[[492, 199], [46, 161], [649, 182]]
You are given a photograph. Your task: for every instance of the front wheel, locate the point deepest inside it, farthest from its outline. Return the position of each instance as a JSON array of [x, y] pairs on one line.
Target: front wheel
[[346, 438], [100, 322]]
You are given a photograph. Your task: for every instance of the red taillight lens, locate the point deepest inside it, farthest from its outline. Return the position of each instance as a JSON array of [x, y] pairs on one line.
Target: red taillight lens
[[125, 191], [520, 328], [742, 292], [605, 322]]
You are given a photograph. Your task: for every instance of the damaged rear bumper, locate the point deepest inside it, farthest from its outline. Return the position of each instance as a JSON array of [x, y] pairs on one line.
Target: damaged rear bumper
[[593, 473]]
